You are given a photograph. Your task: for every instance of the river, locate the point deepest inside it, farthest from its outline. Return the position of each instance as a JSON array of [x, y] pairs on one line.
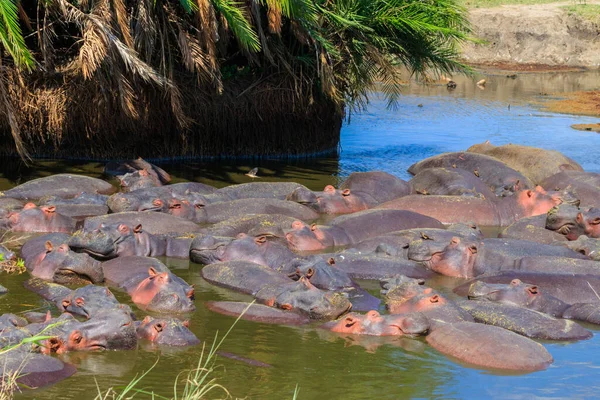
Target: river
[[428, 120]]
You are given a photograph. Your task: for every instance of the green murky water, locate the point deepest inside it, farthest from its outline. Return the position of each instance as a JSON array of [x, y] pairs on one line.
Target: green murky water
[[330, 366]]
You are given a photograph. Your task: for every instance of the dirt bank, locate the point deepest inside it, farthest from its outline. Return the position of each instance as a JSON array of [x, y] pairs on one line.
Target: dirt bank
[[534, 34]]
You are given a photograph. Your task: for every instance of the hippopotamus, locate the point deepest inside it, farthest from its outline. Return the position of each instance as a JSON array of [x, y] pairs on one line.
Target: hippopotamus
[[373, 323], [532, 229], [489, 347], [110, 241], [88, 301], [150, 284], [259, 190], [499, 177], [567, 288], [534, 298], [271, 225], [61, 265], [9, 320], [500, 212], [140, 179], [585, 245], [38, 219], [563, 219], [63, 185], [436, 307], [153, 223], [260, 250], [526, 322], [379, 186], [7, 205], [354, 228], [332, 200], [391, 283], [257, 313], [585, 184], [156, 198], [109, 329], [535, 163], [449, 182], [123, 167], [79, 207], [375, 266], [466, 259], [277, 290], [33, 370], [166, 331]]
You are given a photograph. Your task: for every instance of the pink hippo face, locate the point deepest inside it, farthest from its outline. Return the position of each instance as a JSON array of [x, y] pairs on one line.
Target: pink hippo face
[[163, 292], [589, 221], [420, 303], [536, 202], [334, 201], [457, 259], [39, 219], [303, 237]]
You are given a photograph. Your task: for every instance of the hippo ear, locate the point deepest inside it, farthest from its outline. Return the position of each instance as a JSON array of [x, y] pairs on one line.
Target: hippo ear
[[48, 316], [329, 189], [331, 261], [434, 299], [109, 293], [260, 240], [515, 282], [190, 293], [152, 272], [373, 314], [185, 323], [286, 306], [241, 235], [309, 273], [579, 218], [157, 203], [346, 192], [124, 229], [138, 229], [146, 319], [48, 246], [29, 206], [532, 290], [297, 225], [313, 227], [529, 193], [455, 240], [349, 321], [143, 172]]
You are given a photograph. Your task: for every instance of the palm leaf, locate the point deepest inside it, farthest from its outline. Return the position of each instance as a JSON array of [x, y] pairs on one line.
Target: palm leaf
[[11, 36]]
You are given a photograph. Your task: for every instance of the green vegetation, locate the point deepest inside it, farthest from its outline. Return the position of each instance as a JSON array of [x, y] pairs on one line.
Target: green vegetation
[[498, 3], [165, 69], [587, 11]]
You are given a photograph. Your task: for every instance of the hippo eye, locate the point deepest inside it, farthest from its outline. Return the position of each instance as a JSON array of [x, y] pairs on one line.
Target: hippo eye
[[199, 205], [515, 282], [79, 301], [473, 249], [175, 206], [77, 338], [158, 327], [455, 240], [595, 221]]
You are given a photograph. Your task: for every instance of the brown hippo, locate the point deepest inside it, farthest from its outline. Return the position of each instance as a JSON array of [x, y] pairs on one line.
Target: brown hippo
[[501, 212], [257, 313], [354, 228], [33, 370], [533, 229], [466, 259], [153, 223], [449, 182], [150, 284], [38, 219], [63, 185], [379, 186], [166, 331], [585, 184], [535, 163], [373, 323], [499, 177], [526, 322], [489, 347]]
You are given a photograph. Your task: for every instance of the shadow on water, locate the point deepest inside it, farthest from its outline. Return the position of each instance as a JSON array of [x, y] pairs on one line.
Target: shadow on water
[[428, 121]]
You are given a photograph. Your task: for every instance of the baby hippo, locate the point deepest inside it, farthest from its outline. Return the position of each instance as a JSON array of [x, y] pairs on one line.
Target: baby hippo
[[375, 324]]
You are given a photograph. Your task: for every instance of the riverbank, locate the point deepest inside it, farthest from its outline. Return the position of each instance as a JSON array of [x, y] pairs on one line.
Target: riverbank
[[548, 35]]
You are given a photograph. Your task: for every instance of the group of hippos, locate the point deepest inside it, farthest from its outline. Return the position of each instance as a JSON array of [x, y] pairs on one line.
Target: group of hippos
[[534, 281]]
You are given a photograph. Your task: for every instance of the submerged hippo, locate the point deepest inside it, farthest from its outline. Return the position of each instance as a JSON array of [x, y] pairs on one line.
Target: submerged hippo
[[450, 182], [166, 331], [532, 229], [375, 324], [63, 185], [585, 184], [257, 313], [154, 223], [62, 265], [38, 219]]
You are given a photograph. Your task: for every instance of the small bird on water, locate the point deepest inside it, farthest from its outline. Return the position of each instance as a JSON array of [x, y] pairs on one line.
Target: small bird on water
[[253, 173]]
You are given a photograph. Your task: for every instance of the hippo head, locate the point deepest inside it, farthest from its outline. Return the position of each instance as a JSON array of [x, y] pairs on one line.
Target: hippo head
[[537, 201], [563, 219], [589, 222], [316, 303], [304, 196], [167, 331], [39, 219], [106, 242], [334, 201], [181, 208], [322, 274], [135, 180], [209, 249], [587, 246], [11, 321], [457, 259], [426, 301], [153, 204], [372, 323], [87, 301], [61, 265], [468, 230], [401, 284], [303, 237], [164, 292], [516, 292], [110, 329]]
